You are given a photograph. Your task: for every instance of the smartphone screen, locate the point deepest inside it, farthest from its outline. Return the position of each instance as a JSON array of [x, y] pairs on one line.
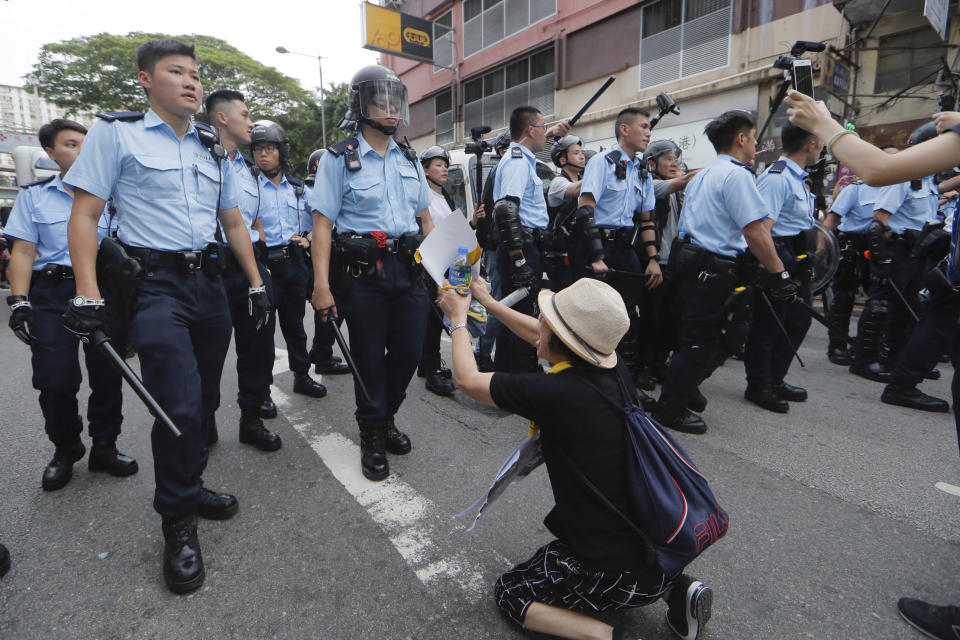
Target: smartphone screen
[[803, 77]]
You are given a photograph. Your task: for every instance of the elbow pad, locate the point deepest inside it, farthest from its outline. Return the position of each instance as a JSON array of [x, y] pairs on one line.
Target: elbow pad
[[586, 225], [877, 240], [506, 213]]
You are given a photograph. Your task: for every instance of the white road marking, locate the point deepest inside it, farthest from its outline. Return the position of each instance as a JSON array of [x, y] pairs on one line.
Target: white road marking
[[948, 488], [280, 364], [411, 521]]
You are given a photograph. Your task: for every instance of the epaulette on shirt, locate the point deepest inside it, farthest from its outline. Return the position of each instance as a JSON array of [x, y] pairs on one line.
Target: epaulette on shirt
[[36, 183], [613, 157], [297, 182], [125, 116], [211, 140], [778, 166], [516, 152], [340, 148]]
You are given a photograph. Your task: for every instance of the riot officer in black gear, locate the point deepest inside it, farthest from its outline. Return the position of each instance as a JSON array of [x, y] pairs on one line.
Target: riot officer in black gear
[[567, 155]]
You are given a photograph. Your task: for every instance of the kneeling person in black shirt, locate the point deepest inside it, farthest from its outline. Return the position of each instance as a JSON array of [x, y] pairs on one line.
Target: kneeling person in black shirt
[[598, 562]]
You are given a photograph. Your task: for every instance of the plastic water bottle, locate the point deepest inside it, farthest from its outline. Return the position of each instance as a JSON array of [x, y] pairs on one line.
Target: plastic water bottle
[[460, 273]]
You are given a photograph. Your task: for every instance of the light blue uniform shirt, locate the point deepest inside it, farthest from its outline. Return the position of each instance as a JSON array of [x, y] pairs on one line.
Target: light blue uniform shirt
[[909, 209], [718, 203], [283, 213], [248, 197], [517, 178], [617, 199], [165, 189], [855, 206], [788, 200], [384, 195], [40, 215]]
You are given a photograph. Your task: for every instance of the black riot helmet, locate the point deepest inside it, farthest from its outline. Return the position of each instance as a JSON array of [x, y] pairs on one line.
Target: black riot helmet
[[312, 166], [922, 133], [502, 142], [658, 148], [375, 86], [434, 152], [560, 147], [270, 131]]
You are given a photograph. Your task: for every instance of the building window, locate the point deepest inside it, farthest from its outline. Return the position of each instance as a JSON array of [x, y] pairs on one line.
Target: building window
[[443, 41], [908, 59], [681, 38], [489, 99], [486, 22], [443, 120]]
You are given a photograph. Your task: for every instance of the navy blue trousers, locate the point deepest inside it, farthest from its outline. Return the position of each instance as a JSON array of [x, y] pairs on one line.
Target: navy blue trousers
[[255, 349], [56, 369], [181, 329], [386, 317], [290, 278], [906, 272], [932, 337]]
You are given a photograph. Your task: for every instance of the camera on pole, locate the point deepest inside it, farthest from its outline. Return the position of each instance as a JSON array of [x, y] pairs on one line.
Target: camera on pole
[[797, 74], [478, 147]]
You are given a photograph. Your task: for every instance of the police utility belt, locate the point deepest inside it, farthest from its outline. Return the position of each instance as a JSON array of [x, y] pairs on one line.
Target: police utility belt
[[54, 273], [692, 262], [282, 252], [620, 236], [361, 254], [209, 260]]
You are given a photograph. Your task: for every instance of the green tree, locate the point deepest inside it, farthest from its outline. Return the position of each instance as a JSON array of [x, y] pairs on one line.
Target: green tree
[[303, 127], [99, 72]]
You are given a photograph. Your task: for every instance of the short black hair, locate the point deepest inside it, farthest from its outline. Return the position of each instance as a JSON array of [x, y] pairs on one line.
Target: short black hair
[[560, 347], [627, 116], [48, 132], [520, 119], [793, 138], [151, 51], [218, 97], [724, 129]]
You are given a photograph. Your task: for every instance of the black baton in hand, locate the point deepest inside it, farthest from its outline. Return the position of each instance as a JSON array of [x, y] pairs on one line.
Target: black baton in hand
[[617, 272], [822, 319], [349, 358], [783, 329], [596, 94], [101, 341]]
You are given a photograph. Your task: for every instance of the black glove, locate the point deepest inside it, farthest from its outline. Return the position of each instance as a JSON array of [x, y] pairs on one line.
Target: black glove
[[258, 306], [84, 320], [781, 288], [521, 275], [21, 315]]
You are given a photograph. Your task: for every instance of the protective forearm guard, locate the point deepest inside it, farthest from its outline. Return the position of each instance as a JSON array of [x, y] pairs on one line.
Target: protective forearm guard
[[587, 227], [934, 242], [507, 216], [877, 240]]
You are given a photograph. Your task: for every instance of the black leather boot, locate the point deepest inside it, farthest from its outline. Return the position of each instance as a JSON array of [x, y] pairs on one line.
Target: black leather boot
[[837, 353], [268, 409], [763, 396], [871, 371], [332, 366], [373, 455], [789, 392], [253, 432], [217, 506], [397, 442], [307, 386], [684, 421], [105, 457], [60, 469], [437, 383], [182, 561], [907, 395], [698, 403]]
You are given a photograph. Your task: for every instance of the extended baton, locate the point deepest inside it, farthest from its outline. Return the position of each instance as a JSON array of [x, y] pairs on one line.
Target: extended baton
[[349, 358], [903, 298], [102, 341], [822, 319], [596, 94], [783, 329], [617, 272]]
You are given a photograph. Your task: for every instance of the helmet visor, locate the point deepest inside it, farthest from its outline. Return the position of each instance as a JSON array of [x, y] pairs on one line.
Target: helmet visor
[[384, 99]]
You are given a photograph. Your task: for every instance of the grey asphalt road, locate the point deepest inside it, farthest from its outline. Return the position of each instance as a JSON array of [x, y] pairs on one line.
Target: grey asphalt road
[[834, 515]]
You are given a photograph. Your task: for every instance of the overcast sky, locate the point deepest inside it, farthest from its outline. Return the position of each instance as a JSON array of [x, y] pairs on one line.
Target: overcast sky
[[330, 28]]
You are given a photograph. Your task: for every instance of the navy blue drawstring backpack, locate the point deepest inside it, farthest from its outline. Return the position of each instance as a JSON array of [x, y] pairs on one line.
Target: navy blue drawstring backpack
[[674, 510]]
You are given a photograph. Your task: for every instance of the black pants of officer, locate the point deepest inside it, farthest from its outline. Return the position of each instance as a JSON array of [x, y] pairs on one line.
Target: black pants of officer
[[181, 329], [430, 354], [934, 335], [853, 274], [659, 324], [386, 318], [906, 272], [701, 349], [290, 276], [56, 368], [255, 349], [513, 354], [769, 352]]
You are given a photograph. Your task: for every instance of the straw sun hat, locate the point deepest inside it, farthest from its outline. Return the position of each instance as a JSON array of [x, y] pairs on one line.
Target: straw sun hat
[[589, 317]]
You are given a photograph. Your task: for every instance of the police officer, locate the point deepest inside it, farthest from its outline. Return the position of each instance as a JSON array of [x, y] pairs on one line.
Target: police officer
[[849, 216], [41, 279], [321, 349], [723, 215], [617, 193], [562, 194], [168, 181], [489, 239], [373, 192], [661, 317], [900, 213], [228, 113], [286, 224], [769, 351], [520, 215]]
